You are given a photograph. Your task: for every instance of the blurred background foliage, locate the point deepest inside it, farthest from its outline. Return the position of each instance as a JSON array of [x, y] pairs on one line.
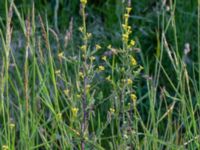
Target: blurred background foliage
[[103, 20]]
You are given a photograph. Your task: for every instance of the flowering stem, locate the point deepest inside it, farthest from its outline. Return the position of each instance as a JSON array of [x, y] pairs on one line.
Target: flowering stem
[[84, 97]]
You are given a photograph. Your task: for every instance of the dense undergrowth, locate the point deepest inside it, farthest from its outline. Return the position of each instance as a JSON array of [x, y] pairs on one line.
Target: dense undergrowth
[[99, 75]]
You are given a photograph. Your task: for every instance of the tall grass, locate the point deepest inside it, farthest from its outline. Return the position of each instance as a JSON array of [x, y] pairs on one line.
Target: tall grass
[[59, 93]]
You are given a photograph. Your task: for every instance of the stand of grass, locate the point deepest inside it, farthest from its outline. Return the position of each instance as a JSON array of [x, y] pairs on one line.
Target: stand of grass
[[64, 96]]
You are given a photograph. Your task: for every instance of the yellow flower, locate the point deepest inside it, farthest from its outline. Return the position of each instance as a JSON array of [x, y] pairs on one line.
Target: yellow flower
[[92, 58], [84, 48], [122, 69], [101, 68], [81, 75], [12, 125], [89, 35], [74, 111], [126, 16], [88, 87], [104, 58], [112, 110], [57, 72], [129, 81], [66, 91], [132, 43], [129, 29], [109, 46], [125, 37], [128, 9], [78, 96], [125, 136], [81, 29], [133, 61], [108, 78], [84, 2], [124, 26], [141, 68], [123, 80], [61, 54], [133, 97], [84, 56], [5, 147], [98, 47]]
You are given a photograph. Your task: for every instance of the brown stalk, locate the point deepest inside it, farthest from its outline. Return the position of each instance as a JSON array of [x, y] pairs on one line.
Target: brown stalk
[[44, 33]]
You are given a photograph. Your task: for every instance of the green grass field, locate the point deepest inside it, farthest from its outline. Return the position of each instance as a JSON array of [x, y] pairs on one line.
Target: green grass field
[[99, 75]]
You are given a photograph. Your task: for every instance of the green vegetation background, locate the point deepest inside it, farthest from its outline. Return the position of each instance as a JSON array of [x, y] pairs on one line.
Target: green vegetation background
[[147, 22]]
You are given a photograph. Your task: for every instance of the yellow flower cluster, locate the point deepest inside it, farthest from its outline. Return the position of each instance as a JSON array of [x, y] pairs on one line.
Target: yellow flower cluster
[[127, 29], [127, 81], [112, 110]]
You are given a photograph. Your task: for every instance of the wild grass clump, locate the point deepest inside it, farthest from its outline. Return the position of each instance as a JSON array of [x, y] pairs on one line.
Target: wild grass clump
[[71, 91]]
